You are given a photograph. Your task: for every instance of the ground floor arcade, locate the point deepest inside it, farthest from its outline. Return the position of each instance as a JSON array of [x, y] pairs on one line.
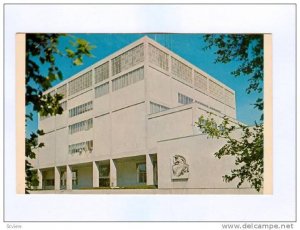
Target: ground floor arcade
[[121, 172]]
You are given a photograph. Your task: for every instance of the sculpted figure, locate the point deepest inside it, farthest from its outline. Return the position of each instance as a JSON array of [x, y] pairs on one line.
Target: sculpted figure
[[180, 167]]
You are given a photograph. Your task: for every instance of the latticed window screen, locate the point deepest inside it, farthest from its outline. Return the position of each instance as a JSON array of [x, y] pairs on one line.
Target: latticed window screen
[[156, 108], [141, 173], [81, 126], [200, 82], [128, 79], [81, 109], [158, 57], [80, 147], [229, 98], [80, 83], [181, 71], [216, 90], [102, 90], [62, 90], [64, 105], [128, 59], [102, 72], [182, 99]]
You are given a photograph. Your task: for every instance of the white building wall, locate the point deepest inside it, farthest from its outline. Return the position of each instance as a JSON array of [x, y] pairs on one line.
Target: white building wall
[[128, 129], [61, 146], [205, 170], [122, 125]]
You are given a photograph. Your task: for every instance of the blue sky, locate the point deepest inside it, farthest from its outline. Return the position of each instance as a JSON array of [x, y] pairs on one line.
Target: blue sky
[[188, 46]]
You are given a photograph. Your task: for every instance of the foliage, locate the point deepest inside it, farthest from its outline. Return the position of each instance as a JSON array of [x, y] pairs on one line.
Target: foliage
[[247, 50], [247, 149], [42, 51]]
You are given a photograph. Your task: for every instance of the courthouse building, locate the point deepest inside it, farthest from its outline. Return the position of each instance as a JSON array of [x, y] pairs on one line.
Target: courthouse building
[[129, 121]]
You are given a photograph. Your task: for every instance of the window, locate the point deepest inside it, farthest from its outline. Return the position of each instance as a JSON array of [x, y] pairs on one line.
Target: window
[[229, 98], [128, 59], [64, 105], [62, 90], [200, 82], [182, 99], [81, 126], [128, 79], [181, 71], [156, 108], [81, 109], [102, 72], [80, 83], [81, 147], [74, 177], [104, 171], [49, 182], [141, 173], [216, 90], [158, 57], [102, 90]]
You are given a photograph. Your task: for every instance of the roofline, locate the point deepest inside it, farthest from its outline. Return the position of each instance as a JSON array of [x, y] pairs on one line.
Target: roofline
[[144, 39]]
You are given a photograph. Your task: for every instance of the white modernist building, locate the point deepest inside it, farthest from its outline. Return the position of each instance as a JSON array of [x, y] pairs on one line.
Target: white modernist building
[[129, 120]]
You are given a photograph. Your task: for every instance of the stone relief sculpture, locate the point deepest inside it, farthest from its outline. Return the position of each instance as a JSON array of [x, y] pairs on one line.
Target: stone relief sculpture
[[180, 169]]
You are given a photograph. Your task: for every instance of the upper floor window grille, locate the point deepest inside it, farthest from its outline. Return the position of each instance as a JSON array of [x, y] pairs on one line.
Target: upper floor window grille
[[64, 105], [81, 109], [128, 79], [81, 126], [62, 90], [80, 83], [128, 59], [182, 99], [102, 72], [102, 90], [181, 71], [156, 108], [229, 98], [200, 82], [81, 147], [216, 90], [158, 57]]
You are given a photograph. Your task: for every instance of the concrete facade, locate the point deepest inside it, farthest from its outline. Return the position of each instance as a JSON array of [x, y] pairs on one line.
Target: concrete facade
[[129, 120]]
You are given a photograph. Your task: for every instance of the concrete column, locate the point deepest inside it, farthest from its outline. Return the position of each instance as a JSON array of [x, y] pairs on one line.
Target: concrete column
[[69, 177], [56, 178], [40, 176], [113, 173], [149, 170], [95, 175]]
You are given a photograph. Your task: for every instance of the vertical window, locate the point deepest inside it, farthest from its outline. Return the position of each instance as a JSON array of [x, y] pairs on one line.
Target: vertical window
[[64, 105], [74, 177], [200, 82], [104, 172], [128, 79], [81, 109], [80, 83], [182, 71], [158, 57], [229, 98], [62, 90], [182, 99], [102, 90], [102, 72], [141, 173], [216, 90], [128, 59], [156, 108]]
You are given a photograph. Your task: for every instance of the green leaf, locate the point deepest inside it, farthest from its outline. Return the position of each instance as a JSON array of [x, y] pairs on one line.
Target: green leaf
[[77, 61]]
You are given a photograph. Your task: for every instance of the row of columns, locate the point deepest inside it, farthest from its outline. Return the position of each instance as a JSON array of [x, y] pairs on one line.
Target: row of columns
[[95, 168]]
